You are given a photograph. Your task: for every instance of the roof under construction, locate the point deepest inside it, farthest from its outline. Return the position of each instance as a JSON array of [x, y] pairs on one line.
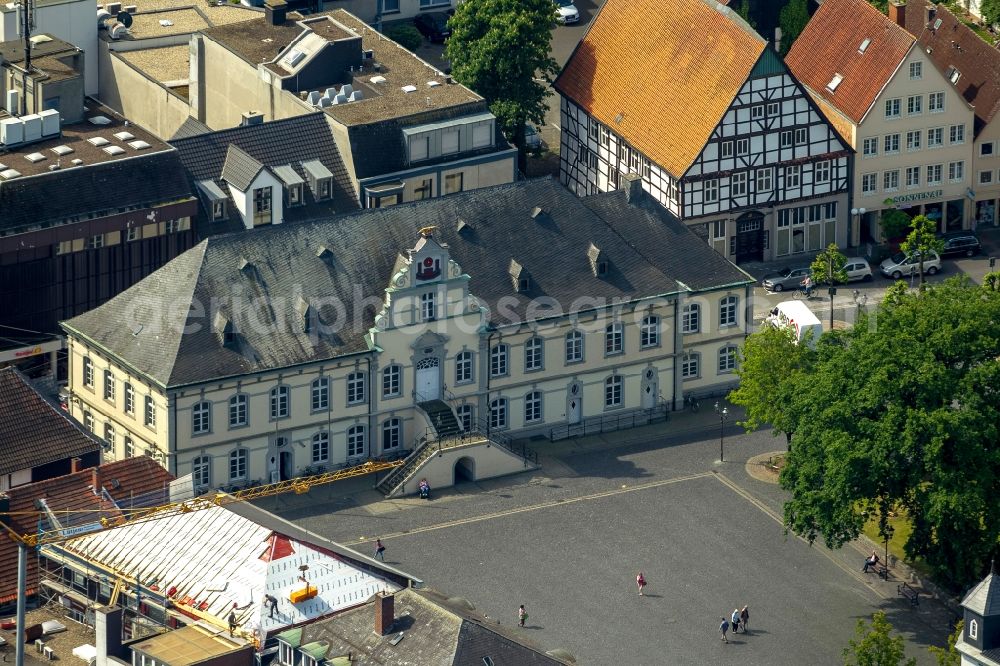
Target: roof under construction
[[214, 560]]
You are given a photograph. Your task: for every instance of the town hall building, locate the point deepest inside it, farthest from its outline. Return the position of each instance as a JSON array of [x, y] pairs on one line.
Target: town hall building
[[724, 136]]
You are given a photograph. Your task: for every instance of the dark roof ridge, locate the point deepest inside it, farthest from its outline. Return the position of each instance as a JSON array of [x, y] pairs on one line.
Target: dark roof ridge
[[270, 124]]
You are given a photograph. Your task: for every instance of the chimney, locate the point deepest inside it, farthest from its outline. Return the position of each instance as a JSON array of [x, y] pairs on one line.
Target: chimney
[[384, 613], [74, 465], [897, 12], [633, 188], [777, 39], [95, 480], [274, 11], [929, 13], [108, 630]]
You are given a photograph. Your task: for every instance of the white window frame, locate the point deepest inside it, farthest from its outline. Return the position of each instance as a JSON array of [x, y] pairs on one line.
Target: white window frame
[[320, 448], [821, 172], [912, 177], [499, 408], [728, 307], [869, 179], [574, 347], [238, 458], [356, 392], [464, 367], [869, 147], [533, 407], [801, 136], [914, 139], [201, 471], [893, 108], [201, 417], [239, 410], [935, 137], [914, 105], [649, 332], [727, 359], [956, 171], [88, 372], [500, 360], [956, 134], [793, 176], [614, 339], [392, 433], [356, 440], [129, 401], [534, 353], [935, 102], [280, 402], [149, 412], [764, 181], [890, 180], [710, 190], [691, 365], [691, 318], [109, 385], [392, 380], [890, 144], [738, 184], [428, 306], [916, 70], [934, 174], [614, 391], [725, 150]]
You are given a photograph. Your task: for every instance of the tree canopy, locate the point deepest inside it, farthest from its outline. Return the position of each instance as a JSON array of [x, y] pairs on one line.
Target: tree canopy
[[500, 49], [893, 221], [828, 266], [875, 645], [900, 412], [793, 19], [921, 241]]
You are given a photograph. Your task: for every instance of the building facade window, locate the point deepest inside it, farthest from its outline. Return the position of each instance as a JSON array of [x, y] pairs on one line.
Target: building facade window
[[392, 376], [727, 311], [892, 107], [649, 331], [973, 629], [821, 172], [890, 180], [238, 464], [711, 190], [613, 391], [238, 412], [534, 353], [913, 177], [614, 342], [738, 184], [869, 183], [787, 139], [356, 437], [88, 372], [690, 365], [498, 413], [262, 206], [913, 140], [956, 171], [870, 147], [201, 417], [533, 407], [574, 347], [428, 306], [916, 70], [985, 177], [463, 367], [88, 421], [425, 190], [201, 471], [726, 149], [956, 134], [801, 136], [742, 146], [129, 447], [280, 398], [466, 416], [320, 447], [356, 388], [129, 398], [320, 394], [109, 436], [792, 175], [392, 433], [914, 105], [149, 412], [498, 359], [727, 359], [890, 144], [691, 318], [935, 102], [763, 182], [454, 183], [934, 174], [935, 137], [109, 386]]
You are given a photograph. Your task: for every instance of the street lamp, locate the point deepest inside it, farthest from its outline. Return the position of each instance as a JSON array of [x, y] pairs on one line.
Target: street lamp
[[857, 213], [723, 415]]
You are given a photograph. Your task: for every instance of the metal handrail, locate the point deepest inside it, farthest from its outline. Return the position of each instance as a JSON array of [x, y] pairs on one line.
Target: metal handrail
[[611, 423]]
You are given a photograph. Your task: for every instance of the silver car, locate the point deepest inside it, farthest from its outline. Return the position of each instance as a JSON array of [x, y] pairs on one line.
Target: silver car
[[786, 278], [857, 269]]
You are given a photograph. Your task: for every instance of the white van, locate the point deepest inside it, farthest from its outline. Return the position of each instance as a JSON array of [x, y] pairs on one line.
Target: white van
[[797, 316]]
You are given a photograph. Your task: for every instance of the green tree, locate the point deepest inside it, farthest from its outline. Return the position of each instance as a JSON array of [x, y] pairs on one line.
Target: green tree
[[875, 645], [743, 9], [828, 266], [500, 49], [894, 222], [990, 9], [792, 20], [949, 656], [905, 413], [770, 362], [922, 240]]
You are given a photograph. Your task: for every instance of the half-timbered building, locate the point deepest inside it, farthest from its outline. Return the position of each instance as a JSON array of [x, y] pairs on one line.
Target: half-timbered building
[[723, 135]]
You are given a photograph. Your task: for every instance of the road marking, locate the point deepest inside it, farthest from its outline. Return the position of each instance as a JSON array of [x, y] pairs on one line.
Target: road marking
[[534, 507], [726, 481]]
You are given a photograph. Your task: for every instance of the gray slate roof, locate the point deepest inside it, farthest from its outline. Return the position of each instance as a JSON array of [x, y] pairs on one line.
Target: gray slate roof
[[143, 325], [292, 141], [240, 169], [984, 598], [436, 631], [97, 189], [33, 431]]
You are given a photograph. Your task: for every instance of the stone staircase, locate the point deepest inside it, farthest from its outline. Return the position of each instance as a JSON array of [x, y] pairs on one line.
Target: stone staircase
[[441, 418]]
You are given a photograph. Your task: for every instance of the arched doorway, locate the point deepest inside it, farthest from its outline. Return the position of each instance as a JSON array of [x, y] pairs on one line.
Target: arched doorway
[[465, 470], [750, 237], [428, 379]]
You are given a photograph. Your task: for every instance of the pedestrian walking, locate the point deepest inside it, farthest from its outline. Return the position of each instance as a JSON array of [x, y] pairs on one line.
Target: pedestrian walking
[[640, 581], [735, 620], [379, 550], [724, 627], [745, 619], [522, 615], [232, 620], [271, 603]]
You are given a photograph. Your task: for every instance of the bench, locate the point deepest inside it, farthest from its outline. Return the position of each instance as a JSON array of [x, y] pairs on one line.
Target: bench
[[880, 569], [909, 593]]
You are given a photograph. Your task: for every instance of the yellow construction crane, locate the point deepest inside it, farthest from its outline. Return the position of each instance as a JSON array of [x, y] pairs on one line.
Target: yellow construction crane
[[298, 485]]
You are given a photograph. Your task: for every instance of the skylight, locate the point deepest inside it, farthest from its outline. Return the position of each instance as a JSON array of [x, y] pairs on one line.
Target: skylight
[[138, 145], [97, 141], [864, 45], [955, 76], [834, 82], [62, 150], [293, 57], [124, 136], [114, 150]]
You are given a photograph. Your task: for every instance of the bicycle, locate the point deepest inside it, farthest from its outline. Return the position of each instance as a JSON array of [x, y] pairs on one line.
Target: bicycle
[[801, 294], [690, 402]]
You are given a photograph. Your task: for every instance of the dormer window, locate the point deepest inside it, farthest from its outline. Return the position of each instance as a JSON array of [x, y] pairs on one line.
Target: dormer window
[[523, 285], [224, 329], [218, 210], [262, 205], [973, 629], [302, 309], [598, 261], [522, 281], [295, 195], [324, 188]]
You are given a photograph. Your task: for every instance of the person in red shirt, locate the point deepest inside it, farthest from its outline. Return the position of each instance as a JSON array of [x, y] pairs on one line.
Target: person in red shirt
[[640, 580]]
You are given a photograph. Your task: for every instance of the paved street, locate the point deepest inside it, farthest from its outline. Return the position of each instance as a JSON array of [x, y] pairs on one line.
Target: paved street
[[568, 539]]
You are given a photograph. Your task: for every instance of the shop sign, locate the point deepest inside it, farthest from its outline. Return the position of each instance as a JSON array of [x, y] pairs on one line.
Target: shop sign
[[917, 196]]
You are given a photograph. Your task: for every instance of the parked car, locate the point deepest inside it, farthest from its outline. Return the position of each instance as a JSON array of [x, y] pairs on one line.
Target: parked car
[[901, 264], [532, 140], [566, 12], [857, 269], [433, 26], [787, 278], [960, 243]]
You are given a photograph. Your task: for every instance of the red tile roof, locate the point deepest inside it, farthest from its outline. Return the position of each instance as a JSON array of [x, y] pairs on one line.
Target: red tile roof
[[954, 44], [33, 430], [661, 75], [74, 502], [831, 45]]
